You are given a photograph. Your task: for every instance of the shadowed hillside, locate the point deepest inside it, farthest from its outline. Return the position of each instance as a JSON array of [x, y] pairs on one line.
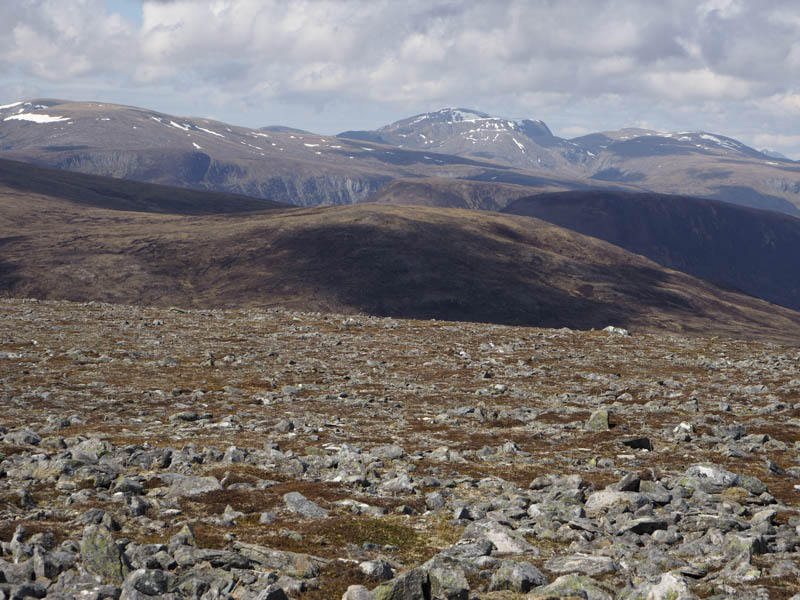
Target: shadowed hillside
[[748, 249], [119, 194]]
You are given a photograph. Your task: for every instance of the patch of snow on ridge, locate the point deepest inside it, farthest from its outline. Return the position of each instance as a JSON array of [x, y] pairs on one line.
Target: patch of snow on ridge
[[212, 132], [12, 105], [464, 115], [724, 143], [184, 127], [521, 147], [36, 118], [196, 146], [711, 138]]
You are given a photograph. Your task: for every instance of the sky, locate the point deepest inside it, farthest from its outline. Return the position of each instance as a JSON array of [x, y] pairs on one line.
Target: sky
[[730, 67]]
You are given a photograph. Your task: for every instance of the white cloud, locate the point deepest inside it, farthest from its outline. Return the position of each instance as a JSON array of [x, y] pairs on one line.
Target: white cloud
[[788, 145], [574, 131], [697, 84], [577, 61], [56, 41]]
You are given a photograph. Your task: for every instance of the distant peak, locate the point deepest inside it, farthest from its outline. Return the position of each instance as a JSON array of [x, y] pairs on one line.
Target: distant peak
[[462, 114], [451, 115]]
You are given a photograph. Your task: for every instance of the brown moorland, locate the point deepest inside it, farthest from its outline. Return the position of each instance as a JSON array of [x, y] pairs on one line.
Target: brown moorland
[[398, 261]]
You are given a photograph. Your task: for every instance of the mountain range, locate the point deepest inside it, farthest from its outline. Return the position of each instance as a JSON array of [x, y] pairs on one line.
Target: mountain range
[[288, 165], [117, 203], [689, 162]]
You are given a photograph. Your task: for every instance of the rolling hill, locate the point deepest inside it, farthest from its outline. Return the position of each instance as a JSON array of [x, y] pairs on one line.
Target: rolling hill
[[398, 261]]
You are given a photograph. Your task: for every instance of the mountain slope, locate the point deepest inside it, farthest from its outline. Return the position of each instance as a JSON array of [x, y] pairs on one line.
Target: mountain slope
[[23, 179], [695, 164], [752, 250], [455, 193], [387, 260]]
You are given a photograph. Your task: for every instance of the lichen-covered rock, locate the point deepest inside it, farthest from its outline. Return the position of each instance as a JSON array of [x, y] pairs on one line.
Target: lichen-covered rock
[[378, 569], [598, 421], [515, 576], [447, 579], [358, 592], [583, 564], [411, 585], [300, 565], [576, 585], [102, 556], [187, 556], [670, 586]]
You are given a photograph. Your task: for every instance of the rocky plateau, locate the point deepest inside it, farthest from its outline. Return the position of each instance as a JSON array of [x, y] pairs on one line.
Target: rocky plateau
[[269, 454]]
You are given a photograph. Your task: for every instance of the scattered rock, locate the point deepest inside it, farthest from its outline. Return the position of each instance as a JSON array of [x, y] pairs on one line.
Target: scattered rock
[[598, 421], [517, 577], [297, 503]]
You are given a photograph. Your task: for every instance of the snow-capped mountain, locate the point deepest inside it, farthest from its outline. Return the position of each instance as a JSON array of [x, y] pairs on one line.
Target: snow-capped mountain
[[688, 162], [521, 143]]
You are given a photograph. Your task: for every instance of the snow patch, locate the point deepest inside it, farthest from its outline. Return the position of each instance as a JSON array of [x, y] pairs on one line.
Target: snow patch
[[12, 105], [184, 127], [311, 145], [705, 136], [36, 118], [197, 146], [520, 146], [212, 132]]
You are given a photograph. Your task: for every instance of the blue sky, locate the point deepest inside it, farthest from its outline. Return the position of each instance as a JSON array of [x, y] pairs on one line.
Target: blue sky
[[726, 66], [130, 9]]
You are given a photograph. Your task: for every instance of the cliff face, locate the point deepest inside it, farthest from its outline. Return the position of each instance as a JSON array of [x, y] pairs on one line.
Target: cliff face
[[200, 171]]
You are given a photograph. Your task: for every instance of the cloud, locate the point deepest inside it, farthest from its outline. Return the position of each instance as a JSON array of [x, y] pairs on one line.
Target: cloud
[[786, 144], [697, 84], [787, 104], [589, 60], [56, 41]]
